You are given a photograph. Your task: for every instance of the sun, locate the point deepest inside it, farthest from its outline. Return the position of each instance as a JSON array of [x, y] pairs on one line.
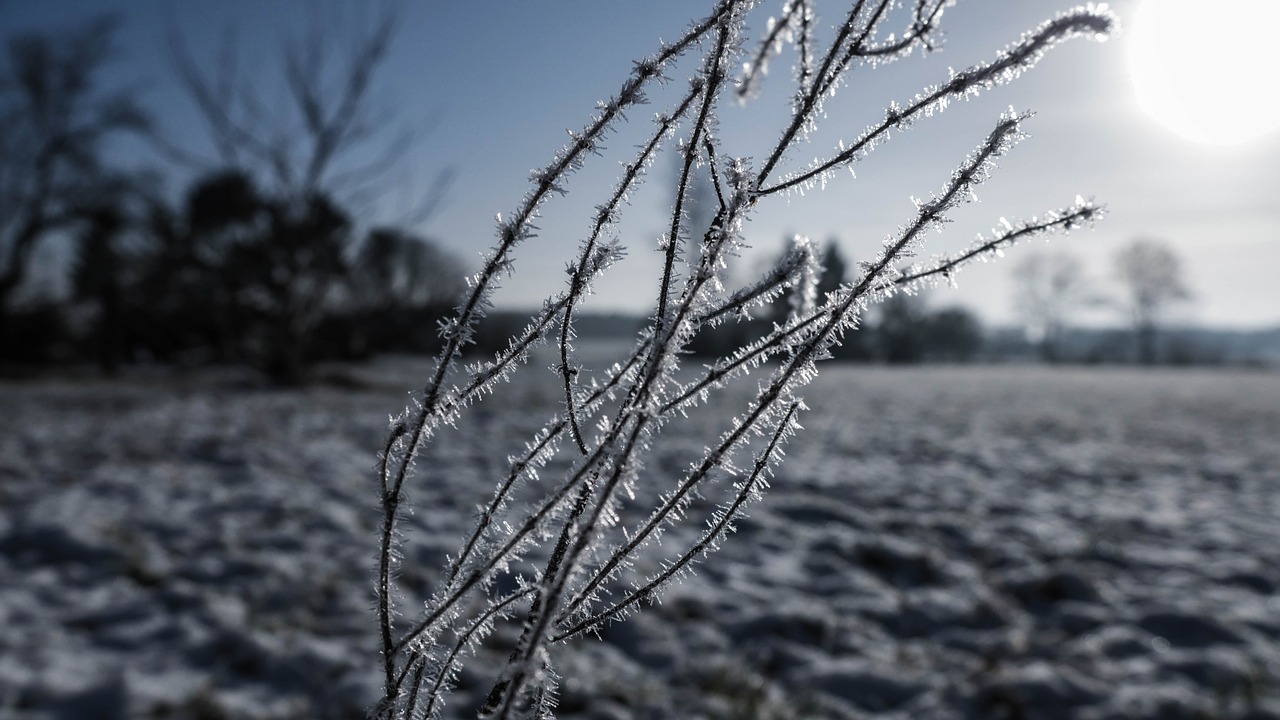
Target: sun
[[1208, 70]]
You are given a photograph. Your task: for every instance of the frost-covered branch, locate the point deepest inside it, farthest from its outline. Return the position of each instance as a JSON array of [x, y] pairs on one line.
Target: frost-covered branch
[[1083, 212], [718, 528], [1007, 66], [411, 429], [561, 562]]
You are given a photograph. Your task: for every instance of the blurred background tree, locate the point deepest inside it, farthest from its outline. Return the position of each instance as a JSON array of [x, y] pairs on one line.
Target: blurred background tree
[[55, 119], [1151, 281], [302, 283], [953, 334], [900, 329], [98, 278], [400, 285], [1049, 289]]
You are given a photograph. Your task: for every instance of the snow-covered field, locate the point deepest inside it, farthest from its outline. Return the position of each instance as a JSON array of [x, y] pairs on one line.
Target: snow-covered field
[[971, 542]]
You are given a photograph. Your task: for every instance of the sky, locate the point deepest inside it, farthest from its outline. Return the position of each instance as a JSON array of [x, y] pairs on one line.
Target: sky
[[489, 90]]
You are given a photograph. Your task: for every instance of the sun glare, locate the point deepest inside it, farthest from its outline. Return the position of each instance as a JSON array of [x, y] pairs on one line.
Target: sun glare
[[1207, 70]]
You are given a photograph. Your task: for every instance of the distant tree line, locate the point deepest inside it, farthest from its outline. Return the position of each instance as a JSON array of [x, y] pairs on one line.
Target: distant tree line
[[1051, 292], [234, 275], [1052, 289], [902, 330]]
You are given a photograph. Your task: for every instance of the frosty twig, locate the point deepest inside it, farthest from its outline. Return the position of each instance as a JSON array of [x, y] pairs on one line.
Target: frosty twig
[[586, 525]]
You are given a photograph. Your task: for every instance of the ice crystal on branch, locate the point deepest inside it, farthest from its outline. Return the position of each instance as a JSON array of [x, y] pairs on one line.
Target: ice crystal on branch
[[555, 550]]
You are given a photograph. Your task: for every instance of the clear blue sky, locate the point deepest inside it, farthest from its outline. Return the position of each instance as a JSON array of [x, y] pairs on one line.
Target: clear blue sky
[[493, 87]]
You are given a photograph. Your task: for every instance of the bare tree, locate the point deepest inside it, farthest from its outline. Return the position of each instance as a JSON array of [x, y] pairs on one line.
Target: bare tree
[[319, 151], [54, 121], [1049, 289], [952, 334], [399, 284], [901, 328], [320, 129], [395, 268], [1152, 278], [98, 276]]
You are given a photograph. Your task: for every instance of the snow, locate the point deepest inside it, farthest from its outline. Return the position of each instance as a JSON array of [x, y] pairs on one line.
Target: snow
[[943, 542]]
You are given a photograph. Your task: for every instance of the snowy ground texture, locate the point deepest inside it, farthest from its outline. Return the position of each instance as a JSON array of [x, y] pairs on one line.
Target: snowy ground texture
[[941, 543]]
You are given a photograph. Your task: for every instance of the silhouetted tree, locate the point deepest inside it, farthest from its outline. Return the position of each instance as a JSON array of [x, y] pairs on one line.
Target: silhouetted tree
[[900, 330], [394, 268], [188, 285], [98, 276], [400, 285], [856, 344], [952, 334], [242, 276], [317, 132], [312, 152], [834, 272], [53, 121], [1151, 275], [288, 278], [721, 339]]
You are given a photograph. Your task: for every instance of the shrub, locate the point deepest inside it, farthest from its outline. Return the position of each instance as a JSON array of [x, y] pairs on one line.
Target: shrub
[[578, 538]]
